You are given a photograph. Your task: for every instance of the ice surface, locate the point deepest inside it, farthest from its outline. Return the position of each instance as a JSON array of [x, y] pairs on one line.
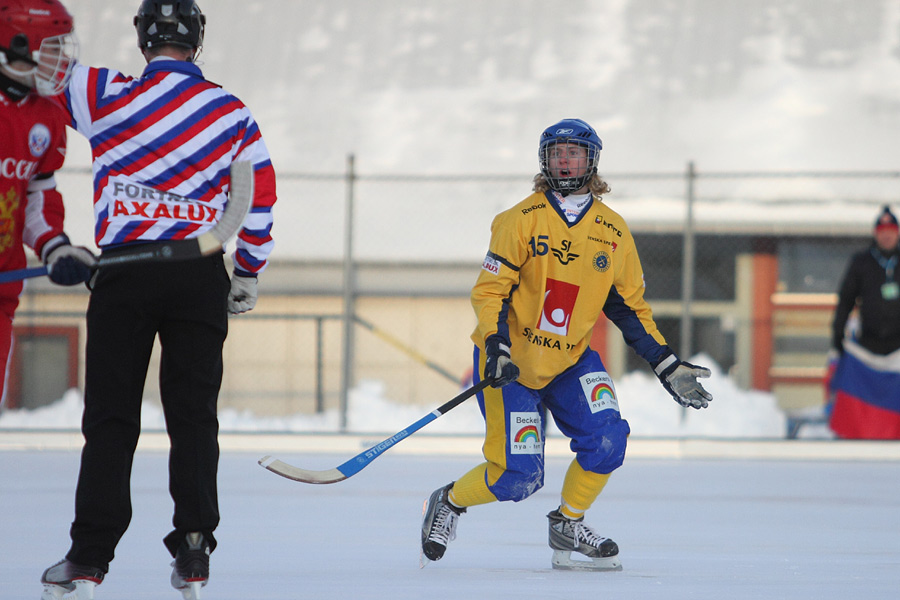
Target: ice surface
[[699, 529]]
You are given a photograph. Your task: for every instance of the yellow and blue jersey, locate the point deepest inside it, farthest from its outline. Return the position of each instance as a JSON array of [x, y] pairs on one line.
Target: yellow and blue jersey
[[545, 281]]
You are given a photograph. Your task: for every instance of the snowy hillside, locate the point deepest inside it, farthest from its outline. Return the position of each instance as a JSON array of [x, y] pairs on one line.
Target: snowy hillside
[[435, 87], [467, 86]]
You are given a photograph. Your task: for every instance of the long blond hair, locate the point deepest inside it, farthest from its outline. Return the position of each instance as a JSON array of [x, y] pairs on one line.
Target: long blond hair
[[597, 186]]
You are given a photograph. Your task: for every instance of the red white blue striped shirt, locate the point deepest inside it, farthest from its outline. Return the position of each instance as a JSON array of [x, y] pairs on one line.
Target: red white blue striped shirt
[[162, 148]]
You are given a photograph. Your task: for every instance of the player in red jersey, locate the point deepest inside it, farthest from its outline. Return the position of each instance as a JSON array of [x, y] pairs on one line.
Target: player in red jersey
[[37, 51]]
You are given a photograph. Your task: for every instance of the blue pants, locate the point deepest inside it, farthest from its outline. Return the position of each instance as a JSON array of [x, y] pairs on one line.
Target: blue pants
[[584, 406]]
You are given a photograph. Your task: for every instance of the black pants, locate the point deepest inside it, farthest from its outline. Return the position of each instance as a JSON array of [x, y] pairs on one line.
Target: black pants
[[184, 303]]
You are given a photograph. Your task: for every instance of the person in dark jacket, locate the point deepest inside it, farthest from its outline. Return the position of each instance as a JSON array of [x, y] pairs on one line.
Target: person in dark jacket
[[872, 282], [864, 383]]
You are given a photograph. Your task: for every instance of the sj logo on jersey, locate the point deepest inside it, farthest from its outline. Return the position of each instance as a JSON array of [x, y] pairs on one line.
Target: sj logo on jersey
[[525, 433], [559, 302], [599, 391]]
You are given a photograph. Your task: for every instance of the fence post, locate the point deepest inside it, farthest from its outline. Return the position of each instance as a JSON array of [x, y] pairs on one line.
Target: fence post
[[349, 286], [320, 366], [687, 268]]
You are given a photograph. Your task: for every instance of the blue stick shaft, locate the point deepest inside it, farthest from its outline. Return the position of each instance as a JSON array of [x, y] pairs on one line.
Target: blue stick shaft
[[20, 274], [361, 460]]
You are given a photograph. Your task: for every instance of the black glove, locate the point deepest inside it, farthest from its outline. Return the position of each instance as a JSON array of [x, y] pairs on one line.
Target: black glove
[[67, 264], [497, 365], [680, 380]]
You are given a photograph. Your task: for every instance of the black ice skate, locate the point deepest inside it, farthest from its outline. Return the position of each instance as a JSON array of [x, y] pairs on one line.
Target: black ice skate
[[191, 566], [66, 577], [438, 524], [572, 535]]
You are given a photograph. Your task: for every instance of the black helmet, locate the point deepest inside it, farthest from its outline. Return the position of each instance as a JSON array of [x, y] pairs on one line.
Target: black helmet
[[177, 22]]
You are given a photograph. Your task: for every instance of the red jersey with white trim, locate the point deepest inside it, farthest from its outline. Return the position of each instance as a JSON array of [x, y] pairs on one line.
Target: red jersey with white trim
[[32, 147], [162, 147]]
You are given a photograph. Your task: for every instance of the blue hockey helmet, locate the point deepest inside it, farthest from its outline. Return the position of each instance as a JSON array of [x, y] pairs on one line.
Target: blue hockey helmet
[[569, 131]]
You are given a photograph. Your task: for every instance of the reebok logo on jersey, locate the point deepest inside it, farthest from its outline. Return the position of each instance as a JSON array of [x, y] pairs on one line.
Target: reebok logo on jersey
[[525, 211], [559, 302]]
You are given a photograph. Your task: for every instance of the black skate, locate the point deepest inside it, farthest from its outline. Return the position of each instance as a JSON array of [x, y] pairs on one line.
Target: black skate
[[66, 577], [191, 566], [438, 524], [572, 535]]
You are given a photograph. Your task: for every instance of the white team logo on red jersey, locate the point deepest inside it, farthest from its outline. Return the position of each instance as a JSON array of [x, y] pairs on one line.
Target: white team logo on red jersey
[[38, 139], [559, 302]]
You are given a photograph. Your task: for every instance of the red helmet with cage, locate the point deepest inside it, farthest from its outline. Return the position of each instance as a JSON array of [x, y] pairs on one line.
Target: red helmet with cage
[[37, 40]]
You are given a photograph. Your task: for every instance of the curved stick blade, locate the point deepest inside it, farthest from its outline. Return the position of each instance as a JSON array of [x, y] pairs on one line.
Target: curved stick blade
[[303, 475]]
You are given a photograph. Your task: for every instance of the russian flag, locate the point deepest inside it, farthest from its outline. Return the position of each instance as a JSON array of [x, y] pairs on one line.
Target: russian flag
[[866, 390]]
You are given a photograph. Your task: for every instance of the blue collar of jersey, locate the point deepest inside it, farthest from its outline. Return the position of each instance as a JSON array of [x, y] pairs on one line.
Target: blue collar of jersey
[[178, 66]]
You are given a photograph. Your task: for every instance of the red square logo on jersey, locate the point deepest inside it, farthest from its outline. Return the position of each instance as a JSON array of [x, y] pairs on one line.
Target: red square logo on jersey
[[559, 302]]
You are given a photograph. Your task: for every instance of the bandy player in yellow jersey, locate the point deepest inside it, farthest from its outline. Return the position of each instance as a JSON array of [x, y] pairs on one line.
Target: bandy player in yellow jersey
[[556, 261]]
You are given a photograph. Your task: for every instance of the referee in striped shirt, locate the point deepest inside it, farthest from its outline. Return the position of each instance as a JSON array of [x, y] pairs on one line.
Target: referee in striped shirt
[[162, 146]]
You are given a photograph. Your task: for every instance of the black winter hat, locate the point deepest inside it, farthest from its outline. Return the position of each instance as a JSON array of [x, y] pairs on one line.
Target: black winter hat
[[886, 219]]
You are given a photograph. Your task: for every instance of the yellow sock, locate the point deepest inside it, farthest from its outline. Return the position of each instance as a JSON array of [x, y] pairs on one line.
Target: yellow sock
[[471, 489], [580, 489]]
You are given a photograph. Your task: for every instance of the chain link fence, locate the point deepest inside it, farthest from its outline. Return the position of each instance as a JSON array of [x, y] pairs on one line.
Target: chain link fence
[[400, 252]]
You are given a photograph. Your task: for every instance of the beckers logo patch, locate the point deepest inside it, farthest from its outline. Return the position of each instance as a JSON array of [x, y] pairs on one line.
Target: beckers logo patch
[[525, 433], [599, 391]]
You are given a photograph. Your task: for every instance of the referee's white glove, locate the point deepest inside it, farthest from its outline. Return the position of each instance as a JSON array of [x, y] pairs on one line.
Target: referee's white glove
[[242, 296]]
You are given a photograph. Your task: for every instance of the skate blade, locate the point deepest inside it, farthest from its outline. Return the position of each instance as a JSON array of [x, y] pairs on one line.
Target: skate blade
[[84, 590], [562, 560], [192, 591], [423, 560]]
